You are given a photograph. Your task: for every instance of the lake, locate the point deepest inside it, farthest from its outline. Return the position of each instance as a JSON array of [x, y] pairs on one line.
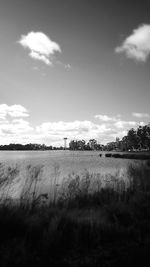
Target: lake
[[61, 164]]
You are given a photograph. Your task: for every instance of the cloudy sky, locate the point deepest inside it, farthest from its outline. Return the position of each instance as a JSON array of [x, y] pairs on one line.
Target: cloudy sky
[[73, 68]]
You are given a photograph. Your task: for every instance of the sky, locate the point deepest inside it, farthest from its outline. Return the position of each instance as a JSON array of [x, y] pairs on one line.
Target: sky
[[73, 68]]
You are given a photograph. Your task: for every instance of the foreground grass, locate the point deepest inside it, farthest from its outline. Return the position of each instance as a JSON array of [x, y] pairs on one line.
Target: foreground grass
[[107, 226]]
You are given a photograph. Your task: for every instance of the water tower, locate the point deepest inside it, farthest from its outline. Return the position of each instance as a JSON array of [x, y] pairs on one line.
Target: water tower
[[65, 142]]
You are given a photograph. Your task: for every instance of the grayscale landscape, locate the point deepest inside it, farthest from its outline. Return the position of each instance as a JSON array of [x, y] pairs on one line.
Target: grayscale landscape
[[74, 133]]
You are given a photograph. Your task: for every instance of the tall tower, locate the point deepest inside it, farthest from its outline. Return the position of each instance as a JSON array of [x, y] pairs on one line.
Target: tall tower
[[65, 142]]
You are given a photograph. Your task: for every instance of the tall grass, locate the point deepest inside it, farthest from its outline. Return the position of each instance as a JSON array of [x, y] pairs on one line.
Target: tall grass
[[7, 179], [90, 220]]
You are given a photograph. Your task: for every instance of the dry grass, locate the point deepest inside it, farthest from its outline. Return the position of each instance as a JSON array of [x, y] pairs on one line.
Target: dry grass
[[84, 224]]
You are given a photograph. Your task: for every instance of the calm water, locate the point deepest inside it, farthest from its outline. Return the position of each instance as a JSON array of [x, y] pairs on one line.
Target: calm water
[[60, 164], [67, 161]]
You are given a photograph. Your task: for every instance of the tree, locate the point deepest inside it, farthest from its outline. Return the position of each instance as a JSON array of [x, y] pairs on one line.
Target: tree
[[143, 133], [133, 139], [73, 145], [93, 144], [124, 143]]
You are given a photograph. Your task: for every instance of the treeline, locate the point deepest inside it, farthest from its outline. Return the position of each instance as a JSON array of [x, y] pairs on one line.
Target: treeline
[[83, 145], [136, 139], [26, 147]]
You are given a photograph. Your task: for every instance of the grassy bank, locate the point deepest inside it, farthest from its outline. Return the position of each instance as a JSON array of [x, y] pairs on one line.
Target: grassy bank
[[131, 155], [84, 224]]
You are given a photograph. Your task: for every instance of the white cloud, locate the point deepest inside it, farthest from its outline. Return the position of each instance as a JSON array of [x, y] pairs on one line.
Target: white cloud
[[13, 111], [12, 125], [76, 129], [56, 131], [124, 124], [107, 118], [137, 45], [15, 129], [19, 130], [141, 115], [38, 56], [40, 46], [141, 123]]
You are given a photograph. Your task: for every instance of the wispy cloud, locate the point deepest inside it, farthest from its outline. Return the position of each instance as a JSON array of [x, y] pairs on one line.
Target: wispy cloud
[[137, 45], [140, 115], [107, 118], [41, 57], [67, 66], [40, 46]]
